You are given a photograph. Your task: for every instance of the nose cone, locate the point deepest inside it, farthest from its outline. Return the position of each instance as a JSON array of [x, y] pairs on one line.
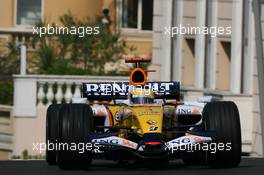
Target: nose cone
[[149, 118], [152, 145]]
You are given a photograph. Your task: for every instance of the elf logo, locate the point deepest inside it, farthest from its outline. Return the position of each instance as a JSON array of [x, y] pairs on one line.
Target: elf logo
[[151, 122]]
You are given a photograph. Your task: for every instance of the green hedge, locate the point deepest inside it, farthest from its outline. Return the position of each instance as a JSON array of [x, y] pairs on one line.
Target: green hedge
[[6, 92]]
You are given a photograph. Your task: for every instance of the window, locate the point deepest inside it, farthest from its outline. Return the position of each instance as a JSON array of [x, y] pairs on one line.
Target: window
[[28, 12], [137, 14]]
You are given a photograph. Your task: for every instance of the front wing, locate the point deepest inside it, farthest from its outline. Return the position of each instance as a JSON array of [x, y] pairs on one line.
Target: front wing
[[171, 147]]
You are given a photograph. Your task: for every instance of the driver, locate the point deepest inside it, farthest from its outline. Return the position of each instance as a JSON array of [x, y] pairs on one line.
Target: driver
[[141, 96]]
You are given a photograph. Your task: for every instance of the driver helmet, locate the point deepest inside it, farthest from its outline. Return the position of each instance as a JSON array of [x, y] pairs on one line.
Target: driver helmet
[[141, 96]]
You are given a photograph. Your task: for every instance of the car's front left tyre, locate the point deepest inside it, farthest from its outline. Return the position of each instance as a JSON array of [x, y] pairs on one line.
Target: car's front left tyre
[[222, 118], [75, 126]]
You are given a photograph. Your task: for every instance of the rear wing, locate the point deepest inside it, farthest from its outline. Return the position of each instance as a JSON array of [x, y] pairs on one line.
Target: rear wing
[[120, 90]]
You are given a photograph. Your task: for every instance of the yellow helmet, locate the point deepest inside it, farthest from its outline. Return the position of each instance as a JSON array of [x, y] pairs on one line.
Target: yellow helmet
[[141, 96]]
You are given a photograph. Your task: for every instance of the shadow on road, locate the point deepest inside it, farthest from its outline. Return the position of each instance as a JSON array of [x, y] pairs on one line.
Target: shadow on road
[[248, 166]]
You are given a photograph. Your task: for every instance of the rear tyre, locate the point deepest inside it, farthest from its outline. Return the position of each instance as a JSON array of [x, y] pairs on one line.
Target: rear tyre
[[52, 132], [75, 125], [223, 119]]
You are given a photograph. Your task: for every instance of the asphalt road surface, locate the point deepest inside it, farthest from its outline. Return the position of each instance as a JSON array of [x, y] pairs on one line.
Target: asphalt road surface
[[248, 166]]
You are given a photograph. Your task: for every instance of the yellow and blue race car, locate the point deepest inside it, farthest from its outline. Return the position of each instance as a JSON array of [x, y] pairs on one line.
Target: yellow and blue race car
[[141, 121]]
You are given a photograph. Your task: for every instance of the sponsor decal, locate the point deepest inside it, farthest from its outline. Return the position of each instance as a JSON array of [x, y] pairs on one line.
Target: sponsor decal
[[118, 116], [116, 141], [108, 140], [193, 143], [99, 110], [120, 90], [128, 144], [189, 139], [153, 128], [151, 122], [188, 110], [184, 111], [196, 111], [149, 112], [198, 139]]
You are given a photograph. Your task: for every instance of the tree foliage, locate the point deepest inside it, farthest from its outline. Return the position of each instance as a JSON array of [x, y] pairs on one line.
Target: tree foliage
[[72, 54], [9, 63]]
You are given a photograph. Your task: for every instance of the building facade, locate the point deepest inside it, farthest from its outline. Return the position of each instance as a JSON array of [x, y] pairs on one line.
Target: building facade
[[132, 18], [224, 66]]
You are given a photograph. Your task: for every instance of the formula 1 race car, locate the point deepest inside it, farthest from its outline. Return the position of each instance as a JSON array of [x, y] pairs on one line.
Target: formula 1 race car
[[141, 121]]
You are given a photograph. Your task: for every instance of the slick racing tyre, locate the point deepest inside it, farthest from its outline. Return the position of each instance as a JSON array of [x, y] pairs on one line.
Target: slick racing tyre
[[223, 119], [75, 125], [52, 132]]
